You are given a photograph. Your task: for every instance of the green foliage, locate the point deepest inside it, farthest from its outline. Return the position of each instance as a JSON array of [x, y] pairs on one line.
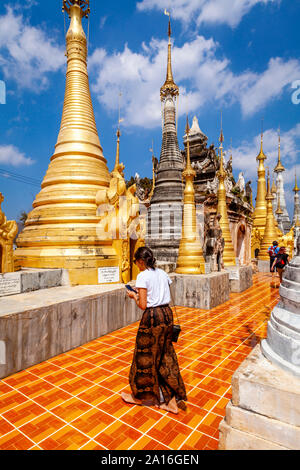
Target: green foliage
[[146, 183], [23, 217], [130, 182]]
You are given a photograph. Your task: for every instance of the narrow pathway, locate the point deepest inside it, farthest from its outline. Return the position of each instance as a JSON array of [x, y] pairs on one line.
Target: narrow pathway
[[73, 401]]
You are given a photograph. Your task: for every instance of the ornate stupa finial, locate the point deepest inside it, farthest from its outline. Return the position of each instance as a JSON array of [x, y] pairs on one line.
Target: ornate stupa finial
[[169, 87], [271, 231], [222, 172], [261, 156], [83, 4], [190, 256], [188, 155], [296, 189], [228, 254], [260, 212], [117, 163], [279, 167]]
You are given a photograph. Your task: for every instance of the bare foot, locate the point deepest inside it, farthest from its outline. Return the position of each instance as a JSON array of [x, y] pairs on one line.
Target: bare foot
[[171, 406], [130, 399]]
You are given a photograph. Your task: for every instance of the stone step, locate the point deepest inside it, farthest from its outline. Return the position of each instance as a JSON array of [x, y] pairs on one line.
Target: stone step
[[269, 429], [233, 439], [260, 386]]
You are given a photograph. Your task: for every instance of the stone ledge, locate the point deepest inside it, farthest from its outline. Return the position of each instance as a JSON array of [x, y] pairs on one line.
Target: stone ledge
[[39, 325], [28, 280], [265, 428], [234, 439]]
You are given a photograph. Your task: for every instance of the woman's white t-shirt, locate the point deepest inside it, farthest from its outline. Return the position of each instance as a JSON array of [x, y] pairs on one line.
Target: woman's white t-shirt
[[157, 283]]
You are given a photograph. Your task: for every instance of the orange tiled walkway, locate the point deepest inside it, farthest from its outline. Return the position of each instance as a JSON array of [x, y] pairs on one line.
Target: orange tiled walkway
[[73, 401]]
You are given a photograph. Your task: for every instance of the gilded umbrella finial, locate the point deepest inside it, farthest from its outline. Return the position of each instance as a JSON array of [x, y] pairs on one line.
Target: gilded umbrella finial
[[169, 87], [83, 4]]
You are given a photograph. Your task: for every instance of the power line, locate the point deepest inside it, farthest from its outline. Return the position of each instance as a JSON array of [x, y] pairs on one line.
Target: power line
[[34, 180], [19, 178]]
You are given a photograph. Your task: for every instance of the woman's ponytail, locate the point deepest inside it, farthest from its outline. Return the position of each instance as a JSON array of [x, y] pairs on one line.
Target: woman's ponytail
[[146, 254]]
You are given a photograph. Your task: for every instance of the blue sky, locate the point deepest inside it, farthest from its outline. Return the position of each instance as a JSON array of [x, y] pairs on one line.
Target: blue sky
[[238, 56]]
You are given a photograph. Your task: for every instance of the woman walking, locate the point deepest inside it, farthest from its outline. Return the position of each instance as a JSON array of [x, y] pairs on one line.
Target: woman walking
[[154, 377], [280, 262]]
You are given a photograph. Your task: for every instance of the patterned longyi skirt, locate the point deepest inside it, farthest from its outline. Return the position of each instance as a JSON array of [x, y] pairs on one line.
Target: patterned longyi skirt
[[155, 368]]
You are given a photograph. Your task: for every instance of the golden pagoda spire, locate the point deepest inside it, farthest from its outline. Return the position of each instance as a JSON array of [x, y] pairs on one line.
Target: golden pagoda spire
[[117, 163], [62, 229], [169, 87], [271, 232], [229, 254], [296, 189], [190, 257], [279, 167], [260, 212], [261, 156]]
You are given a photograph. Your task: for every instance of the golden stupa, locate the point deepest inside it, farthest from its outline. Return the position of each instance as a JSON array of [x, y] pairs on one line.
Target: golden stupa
[[296, 189], [190, 256], [61, 230], [271, 231], [228, 254], [260, 212]]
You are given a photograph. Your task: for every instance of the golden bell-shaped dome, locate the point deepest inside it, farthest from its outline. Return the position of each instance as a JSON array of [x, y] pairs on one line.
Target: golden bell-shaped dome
[[61, 230]]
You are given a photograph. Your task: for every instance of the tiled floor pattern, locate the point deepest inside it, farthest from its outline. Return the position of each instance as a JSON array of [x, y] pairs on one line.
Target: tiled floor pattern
[[73, 401]]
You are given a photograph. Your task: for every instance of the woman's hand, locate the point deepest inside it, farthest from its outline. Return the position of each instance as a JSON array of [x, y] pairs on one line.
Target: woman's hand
[[140, 297], [132, 295]]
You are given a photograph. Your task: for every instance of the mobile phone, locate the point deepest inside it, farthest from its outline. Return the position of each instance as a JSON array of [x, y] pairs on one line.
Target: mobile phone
[[130, 288]]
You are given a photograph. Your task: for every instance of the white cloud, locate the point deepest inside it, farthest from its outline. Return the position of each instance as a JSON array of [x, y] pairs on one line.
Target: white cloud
[[202, 75], [103, 21], [269, 84], [11, 155], [244, 157], [27, 55], [205, 11]]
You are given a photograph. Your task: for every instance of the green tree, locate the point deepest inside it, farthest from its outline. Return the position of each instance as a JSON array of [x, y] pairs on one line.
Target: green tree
[[146, 184], [21, 220]]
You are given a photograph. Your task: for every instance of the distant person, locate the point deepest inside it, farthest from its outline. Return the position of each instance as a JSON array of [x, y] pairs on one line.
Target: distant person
[[273, 251], [154, 376], [280, 261]]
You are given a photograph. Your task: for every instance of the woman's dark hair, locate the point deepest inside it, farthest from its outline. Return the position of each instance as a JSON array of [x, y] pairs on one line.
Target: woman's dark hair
[[275, 243], [144, 253]]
